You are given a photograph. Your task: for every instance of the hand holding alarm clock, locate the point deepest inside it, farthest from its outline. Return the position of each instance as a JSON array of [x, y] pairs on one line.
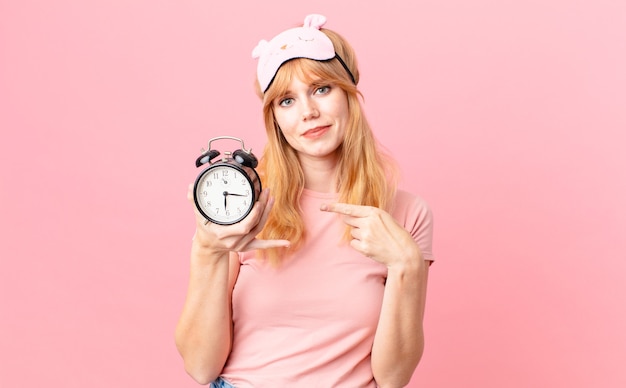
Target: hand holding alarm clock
[[225, 192]]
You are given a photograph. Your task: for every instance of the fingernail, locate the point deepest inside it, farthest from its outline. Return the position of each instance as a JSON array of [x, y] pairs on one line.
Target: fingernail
[[324, 207]]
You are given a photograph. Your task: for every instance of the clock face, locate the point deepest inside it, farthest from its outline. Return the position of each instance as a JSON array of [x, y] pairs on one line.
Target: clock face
[[225, 194]]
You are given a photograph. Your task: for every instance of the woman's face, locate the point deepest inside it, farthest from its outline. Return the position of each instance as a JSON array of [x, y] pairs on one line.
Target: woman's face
[[313, 118]]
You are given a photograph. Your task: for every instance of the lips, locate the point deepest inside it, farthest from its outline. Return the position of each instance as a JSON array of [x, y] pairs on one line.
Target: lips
[[316, 132]]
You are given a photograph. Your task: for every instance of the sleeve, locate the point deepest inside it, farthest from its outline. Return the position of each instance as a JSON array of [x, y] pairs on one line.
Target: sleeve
[[416, 216]]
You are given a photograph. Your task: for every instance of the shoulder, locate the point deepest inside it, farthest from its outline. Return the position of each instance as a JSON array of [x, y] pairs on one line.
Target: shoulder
[[412, 211], [406, 203]]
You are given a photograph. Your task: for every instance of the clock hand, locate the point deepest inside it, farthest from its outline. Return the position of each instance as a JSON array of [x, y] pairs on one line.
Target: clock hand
[[236, 195], [225, 196]]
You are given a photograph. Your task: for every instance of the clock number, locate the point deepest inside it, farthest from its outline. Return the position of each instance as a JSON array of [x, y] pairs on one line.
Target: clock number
[[225, 173]]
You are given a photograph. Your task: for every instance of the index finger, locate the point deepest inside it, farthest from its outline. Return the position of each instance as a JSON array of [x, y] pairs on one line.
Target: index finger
[[347, 209]]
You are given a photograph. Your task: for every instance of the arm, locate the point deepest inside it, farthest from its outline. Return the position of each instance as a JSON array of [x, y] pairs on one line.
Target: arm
[[204, 331], [399, 339]]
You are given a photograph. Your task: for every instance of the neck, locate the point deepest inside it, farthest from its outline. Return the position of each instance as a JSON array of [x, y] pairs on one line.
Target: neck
[[319, 174]]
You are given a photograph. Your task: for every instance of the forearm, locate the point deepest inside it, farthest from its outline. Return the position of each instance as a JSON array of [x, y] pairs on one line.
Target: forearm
[[203, 333], [399, 341]]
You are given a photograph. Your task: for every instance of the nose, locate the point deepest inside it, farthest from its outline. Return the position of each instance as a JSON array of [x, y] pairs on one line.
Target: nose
[[309, 109]]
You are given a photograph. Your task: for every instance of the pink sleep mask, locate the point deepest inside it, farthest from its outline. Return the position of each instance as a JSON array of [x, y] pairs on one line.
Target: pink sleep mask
[[300, 42]]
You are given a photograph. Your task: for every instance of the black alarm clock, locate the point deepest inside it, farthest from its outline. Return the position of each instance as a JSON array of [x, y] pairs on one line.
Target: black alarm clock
[[227, 189]]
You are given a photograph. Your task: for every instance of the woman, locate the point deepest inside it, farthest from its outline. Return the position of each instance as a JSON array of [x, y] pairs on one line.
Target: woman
[[324, 283]]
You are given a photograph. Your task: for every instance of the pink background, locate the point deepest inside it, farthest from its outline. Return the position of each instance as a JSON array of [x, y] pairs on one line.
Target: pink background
[[508, 117]]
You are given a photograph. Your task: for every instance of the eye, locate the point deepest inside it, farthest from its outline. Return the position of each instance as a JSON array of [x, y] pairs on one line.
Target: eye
[[285, 102], [323, 90]]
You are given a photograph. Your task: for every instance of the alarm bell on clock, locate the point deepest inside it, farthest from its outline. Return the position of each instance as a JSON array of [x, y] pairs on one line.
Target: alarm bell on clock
[[227, 189]]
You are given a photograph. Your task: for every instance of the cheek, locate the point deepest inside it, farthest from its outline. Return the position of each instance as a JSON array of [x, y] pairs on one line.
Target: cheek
[[286, 123], [340, 108]]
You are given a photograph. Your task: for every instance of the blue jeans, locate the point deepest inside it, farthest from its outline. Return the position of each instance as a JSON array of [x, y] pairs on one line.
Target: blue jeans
[[220, 383]]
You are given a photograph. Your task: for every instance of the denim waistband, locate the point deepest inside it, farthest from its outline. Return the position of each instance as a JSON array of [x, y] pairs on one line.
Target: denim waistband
[[221, 383]]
